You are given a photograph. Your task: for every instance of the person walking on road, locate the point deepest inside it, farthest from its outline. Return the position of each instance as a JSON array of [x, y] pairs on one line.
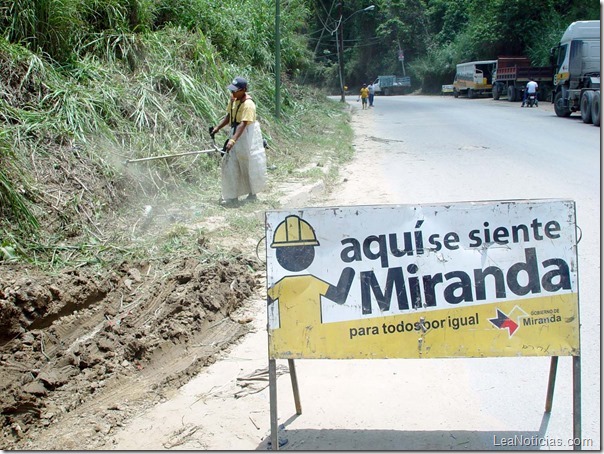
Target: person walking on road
[[364, 95], [371, 89], [244, 162], [531, 88]]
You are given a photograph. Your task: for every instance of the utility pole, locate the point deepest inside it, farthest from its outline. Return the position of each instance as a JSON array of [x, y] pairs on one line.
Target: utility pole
[[401, 57], [277, 61], [340, 39], [340, 43]]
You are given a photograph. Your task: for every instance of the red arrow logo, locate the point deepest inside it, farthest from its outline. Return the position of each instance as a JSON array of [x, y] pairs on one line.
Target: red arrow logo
[[503, 321]]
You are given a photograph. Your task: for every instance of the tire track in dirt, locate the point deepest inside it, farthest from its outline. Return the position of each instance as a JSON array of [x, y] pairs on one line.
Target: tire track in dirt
[[90, 368]]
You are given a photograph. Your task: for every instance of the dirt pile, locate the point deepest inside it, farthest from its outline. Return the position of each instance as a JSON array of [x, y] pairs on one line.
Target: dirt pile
[[98, 347]]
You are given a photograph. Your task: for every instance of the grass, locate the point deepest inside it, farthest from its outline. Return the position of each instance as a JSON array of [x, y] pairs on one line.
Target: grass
[[227, 230], [178, 207], [66, 130]]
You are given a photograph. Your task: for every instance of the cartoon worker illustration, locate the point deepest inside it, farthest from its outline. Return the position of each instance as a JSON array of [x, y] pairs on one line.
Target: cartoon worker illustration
[[299, 296]]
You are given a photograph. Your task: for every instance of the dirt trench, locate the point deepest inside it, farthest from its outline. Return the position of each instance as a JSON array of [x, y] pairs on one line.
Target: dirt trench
[[96, 349]]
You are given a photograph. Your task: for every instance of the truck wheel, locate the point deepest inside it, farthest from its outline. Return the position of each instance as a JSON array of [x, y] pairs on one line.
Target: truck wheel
[[586, 101], [511, 93], [496, 93], [561, 111], [455, 93], [470, 93], [595, 109]]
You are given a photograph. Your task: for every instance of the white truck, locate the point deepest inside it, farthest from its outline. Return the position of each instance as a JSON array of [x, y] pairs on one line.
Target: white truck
[[577, 72], [391, 85], [474, 78]]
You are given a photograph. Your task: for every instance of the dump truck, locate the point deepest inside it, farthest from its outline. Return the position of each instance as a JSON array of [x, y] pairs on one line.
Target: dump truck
[[474, 78], [513, 73], [391, 85], [577, 72]]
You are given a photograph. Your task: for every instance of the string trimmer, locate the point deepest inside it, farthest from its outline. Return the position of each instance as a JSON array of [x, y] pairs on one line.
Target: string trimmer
[[212, 150]]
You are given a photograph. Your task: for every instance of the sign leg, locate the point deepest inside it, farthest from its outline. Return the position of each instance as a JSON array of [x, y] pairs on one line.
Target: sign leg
[[550, 385], [577, 402], [272, 384], [294, 377]]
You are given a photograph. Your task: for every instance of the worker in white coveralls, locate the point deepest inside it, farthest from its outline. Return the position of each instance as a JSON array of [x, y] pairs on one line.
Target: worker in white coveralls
[[244, 163]]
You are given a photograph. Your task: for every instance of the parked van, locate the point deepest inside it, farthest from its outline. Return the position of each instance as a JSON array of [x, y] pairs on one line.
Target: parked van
[[474, 78]]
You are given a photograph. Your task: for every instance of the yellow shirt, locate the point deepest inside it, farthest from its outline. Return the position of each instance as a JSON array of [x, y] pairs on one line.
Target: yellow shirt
[[364, 92], [247, 111], [299, 299]]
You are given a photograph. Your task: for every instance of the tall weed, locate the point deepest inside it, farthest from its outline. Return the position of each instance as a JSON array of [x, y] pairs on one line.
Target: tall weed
[[14, 205], [135, 78]]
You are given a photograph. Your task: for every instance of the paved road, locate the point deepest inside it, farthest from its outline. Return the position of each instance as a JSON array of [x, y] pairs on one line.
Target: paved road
[[441, 149]]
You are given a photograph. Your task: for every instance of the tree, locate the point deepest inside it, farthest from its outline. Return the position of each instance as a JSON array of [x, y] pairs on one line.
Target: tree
[[438, 34]]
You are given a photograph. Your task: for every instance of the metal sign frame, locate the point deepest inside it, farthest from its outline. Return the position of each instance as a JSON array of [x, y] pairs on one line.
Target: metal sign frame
[[287, 229]]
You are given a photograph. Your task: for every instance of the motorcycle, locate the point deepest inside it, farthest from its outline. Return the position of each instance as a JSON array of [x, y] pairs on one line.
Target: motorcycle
[[531, 100]]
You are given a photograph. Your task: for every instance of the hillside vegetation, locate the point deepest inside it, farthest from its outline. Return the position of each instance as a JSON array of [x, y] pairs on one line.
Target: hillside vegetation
[[87, 85], [121, 281]]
